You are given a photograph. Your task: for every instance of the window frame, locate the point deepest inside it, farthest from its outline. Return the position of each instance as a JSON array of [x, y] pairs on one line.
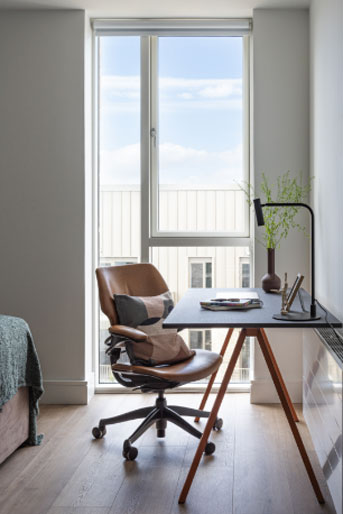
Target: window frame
[[149, 170], [188, 238], [149, 237], [149, 30]]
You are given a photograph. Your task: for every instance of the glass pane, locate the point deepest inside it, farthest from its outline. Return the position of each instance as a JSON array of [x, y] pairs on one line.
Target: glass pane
[[208, 274], [200, 134], [119, 162], [195, 339], [173, 264], [197, 270], [119, 147], [245, 275], [208, 340]]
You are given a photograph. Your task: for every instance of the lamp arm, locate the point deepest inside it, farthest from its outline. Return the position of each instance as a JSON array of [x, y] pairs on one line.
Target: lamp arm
[[293, 204]]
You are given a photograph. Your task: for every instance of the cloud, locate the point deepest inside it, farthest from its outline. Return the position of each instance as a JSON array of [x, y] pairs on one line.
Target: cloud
[[120, 86], [205, 88], [222, 89], [120, 166], [179, 165], [189, 166], [185, 96], [119, 91]]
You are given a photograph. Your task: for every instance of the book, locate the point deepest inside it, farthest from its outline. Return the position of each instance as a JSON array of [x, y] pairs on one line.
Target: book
[[227, 304]]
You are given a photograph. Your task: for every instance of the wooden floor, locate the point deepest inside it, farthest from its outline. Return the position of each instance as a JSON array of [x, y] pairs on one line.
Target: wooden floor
[[256, 468]]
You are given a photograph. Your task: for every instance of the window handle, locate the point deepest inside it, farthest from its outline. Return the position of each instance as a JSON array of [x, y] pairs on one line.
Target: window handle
[[153, 134]]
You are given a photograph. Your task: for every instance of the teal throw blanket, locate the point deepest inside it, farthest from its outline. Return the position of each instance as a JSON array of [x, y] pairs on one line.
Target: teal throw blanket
[[19, 367]]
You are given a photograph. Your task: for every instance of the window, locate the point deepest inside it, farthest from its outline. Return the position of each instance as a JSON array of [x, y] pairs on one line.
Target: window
[[197, 150], [245, 272], [200, 272], [200, 340], [172, 142], [119, 148]]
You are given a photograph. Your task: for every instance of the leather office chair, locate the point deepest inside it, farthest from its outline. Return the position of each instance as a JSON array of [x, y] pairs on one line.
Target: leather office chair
[[145, 280]]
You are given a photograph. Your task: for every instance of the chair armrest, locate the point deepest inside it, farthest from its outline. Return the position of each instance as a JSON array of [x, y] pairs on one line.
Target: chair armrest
[[130, 332]]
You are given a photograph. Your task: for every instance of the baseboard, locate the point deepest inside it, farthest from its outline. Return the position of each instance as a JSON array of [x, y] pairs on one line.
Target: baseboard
[[263, 391], [79, 392], [75, 392]]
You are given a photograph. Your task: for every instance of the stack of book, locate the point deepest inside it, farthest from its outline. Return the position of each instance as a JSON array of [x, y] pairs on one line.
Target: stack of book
[[238, 301]]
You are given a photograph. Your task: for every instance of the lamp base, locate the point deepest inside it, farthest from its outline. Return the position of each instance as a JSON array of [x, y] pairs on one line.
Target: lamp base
[[296, 316]]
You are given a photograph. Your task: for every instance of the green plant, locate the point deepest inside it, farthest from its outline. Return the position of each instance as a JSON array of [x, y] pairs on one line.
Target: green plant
[[279, 220]]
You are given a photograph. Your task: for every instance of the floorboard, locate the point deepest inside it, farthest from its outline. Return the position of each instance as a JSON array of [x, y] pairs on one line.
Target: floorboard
[[256, 468]]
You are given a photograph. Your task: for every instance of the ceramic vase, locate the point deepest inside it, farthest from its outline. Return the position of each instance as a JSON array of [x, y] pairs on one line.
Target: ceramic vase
[[270, 281]]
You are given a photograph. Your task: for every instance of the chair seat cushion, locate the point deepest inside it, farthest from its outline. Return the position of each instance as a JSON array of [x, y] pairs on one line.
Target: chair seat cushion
[[201, 365], [147, 313]]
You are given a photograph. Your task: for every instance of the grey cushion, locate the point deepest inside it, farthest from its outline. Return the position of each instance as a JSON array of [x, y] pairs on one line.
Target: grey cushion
[[147, 313]]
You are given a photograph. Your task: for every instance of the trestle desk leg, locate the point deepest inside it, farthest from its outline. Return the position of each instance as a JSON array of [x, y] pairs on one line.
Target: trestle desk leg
[[213, 415]]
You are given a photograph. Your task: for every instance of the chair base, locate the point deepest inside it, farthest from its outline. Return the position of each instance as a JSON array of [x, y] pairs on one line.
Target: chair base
[[159, 414]]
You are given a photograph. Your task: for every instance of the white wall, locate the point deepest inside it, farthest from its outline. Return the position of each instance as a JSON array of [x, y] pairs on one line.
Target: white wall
[[327, 148], [42, 189], [326, 159], [281, 143]]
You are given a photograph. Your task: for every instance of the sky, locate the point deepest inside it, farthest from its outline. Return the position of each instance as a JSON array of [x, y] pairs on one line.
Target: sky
[[199, 104]]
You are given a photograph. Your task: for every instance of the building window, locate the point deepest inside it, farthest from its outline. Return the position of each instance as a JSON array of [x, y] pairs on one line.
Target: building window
[[200, 340], [245, 272], [200, 273]]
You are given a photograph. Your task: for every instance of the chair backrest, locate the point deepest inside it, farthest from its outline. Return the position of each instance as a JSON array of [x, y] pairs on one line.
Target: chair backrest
[[133, 279]]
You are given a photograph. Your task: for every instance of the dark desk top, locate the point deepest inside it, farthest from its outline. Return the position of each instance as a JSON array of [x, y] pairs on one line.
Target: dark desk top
[[188, 313]]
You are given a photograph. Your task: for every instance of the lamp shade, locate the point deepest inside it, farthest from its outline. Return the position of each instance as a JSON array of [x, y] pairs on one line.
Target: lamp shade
[[259, 212]]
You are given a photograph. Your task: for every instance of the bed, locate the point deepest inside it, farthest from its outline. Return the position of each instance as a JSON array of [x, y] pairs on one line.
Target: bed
[[20, 386]]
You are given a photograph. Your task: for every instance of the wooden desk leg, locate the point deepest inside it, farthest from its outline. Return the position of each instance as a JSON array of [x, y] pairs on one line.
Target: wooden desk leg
[[213, 376], [282, 383], [280, 387], [213, 415]]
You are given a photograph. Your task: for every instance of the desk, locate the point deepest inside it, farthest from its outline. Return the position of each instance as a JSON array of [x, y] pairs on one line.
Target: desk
[[188, 314]]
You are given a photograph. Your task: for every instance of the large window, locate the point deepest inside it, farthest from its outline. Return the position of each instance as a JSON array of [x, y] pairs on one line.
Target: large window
[[172, 139]]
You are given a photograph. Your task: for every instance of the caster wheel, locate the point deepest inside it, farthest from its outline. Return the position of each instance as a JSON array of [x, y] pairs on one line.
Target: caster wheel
[[130, 453], [98, 433], [210, 448], [161, 432], [218, 424]]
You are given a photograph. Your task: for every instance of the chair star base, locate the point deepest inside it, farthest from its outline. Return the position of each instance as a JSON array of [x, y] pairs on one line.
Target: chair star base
[[159, 414]]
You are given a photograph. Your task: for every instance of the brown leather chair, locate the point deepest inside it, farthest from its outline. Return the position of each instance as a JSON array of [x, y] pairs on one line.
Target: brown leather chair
[[145, 280]]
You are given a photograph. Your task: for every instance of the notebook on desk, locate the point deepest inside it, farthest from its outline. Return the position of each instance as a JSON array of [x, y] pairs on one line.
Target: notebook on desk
[[239, 300]]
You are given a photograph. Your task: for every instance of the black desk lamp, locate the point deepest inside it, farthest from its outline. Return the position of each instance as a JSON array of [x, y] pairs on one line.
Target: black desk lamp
[[292, 316]]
